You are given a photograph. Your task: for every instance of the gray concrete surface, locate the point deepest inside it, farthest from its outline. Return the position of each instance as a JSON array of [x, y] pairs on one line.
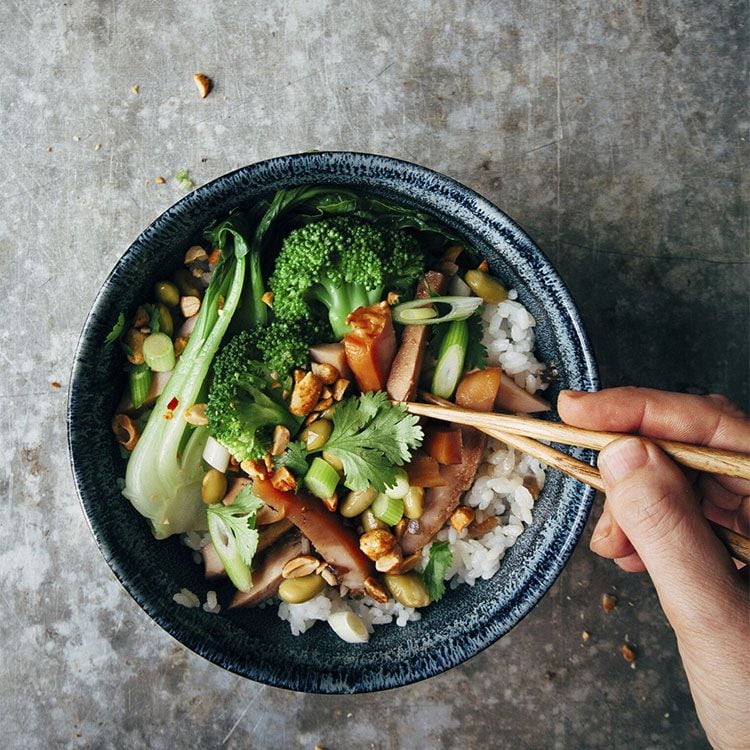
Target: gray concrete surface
[[614, 132]]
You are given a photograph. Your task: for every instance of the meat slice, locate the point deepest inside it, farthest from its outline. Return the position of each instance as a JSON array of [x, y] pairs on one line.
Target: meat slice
[[267, 576], [440, 502], [370, 346], [404, 376], [336, 543]]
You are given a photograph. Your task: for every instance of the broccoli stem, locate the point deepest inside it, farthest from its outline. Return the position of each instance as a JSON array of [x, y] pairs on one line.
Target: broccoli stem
[[341, 300]]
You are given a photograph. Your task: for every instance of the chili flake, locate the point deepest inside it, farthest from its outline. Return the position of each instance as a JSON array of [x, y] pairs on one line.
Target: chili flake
[[173, 403]]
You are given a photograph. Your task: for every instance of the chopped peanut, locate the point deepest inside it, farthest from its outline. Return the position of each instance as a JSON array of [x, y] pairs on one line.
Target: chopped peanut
[[608, 602], [283, 480], [305, 395], [203, 82], [327, 373], [462, 517], [300, 566], [377, 543], [195, 254], [389, 563], [267, 299], [189, 306], [125, 431], [339, 388], [323, 404], [281, 438], [196, 415], [328, 574], [331, 502], [375, 590], [254, 469]]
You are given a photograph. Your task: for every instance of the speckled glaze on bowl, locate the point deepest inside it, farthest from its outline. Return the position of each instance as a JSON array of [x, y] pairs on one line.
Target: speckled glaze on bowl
[[255, 643]]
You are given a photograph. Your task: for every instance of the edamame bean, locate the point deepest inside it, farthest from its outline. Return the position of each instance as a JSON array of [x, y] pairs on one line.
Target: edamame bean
[[315, 435], [298, 590], [166, 324], [167, 293], [357, 502], [408, 589], [213, 487], [370, 522], [414, 502], [484, 286]]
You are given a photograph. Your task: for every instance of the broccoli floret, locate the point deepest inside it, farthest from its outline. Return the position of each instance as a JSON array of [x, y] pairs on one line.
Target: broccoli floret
[[245, 401], [284, 344], [342, 263]]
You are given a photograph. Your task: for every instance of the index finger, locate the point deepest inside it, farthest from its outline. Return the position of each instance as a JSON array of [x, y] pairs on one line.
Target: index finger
[[658, 414]]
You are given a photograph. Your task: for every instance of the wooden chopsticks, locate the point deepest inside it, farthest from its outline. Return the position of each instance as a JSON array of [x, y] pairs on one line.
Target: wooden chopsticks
[[520, 433], [711, 460]]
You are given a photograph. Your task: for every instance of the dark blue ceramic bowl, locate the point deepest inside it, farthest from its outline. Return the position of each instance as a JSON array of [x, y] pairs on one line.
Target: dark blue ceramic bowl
[[255, 643]]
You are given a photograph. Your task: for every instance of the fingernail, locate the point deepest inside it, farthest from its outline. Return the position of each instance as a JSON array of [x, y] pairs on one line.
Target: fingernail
[[602, 529], [572, 394], [621, 458]]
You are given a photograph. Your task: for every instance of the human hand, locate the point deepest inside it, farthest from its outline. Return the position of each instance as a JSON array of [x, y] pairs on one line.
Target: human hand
[[654, 519]]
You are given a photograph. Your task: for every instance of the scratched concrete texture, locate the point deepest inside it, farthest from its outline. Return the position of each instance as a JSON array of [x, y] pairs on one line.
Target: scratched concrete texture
[[615, 133]]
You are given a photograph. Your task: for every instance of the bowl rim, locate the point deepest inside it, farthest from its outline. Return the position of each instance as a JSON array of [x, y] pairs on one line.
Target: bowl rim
[[490, 213]]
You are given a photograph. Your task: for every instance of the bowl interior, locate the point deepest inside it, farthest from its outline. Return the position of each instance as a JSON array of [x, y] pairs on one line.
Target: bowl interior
[[255, 643]]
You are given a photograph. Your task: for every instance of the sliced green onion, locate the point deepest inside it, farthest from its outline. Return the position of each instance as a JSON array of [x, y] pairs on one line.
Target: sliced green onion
[[321, 478], [139, 382], [450, 359], [460, 309], [389, 510], [158, 351], [418, 314], [229, 553], [400, 487]]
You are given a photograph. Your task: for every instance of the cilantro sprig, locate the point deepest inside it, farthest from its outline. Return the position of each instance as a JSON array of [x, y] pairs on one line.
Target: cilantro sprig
[[372, 437], [441, 559]]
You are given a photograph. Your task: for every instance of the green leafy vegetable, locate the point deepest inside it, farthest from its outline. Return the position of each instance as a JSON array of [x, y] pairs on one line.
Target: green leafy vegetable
[[294, 458], [117, 330], [234, 536], [441, 559], [246, 401], [372, 437]]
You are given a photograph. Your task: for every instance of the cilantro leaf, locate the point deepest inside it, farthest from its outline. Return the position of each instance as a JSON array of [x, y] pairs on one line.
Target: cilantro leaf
[[476, 351], [441, 559], [239, 521], [117, 330], [294, 458], [372, 437], [153, 317]]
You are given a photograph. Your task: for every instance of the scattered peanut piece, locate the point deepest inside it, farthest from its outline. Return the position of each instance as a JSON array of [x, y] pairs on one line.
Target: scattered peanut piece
[[332, 503], [306, 394], [609, 602], [282, 480], [585, 635], [189, 306], [254, 469], [267, 299], [204, 83], [196, 415], [126, 433], [56, 384], [328, 574], [327, 373], [391, 562], [377, 543], [136, 88], [339, 388], [300, 566], [627, 653], [281, 438], [462, 517], [375, 590], [159, 180], [196, 254]]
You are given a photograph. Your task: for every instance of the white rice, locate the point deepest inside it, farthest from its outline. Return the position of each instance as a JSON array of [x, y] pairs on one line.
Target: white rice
[[503, 488]]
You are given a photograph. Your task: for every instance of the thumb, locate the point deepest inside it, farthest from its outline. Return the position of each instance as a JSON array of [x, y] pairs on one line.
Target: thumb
[[655, 506]]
